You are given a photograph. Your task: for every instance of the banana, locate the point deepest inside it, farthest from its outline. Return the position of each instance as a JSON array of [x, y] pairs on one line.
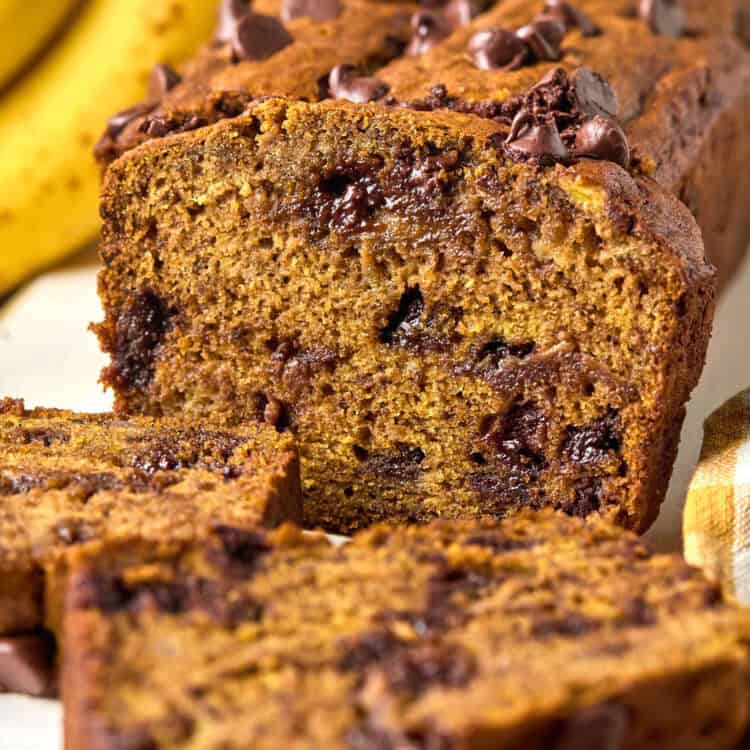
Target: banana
[[25, 27], [51, 120]]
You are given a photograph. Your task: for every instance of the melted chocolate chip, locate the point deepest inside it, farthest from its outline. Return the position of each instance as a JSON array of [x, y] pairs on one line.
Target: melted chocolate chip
[[416, 670], [399, 465], [572, 17], [491, 354], [496, 541], [120, 120], [429, 29], [404, 319], [258, 37], [346, 198], [664, 17], [497, 49], [163, 79], [604, 727], [543, 37], [594, 442], [139, 329], [593, 94], [519, 435], [240, 551], [587, 499], [357, 654], [316, 10], [344, 83], [602, 138]]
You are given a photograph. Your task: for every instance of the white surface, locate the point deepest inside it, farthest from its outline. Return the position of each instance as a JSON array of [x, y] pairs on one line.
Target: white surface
[[48, 357]]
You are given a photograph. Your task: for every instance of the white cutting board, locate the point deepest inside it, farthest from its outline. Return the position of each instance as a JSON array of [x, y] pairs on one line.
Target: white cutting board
[[48, 357]]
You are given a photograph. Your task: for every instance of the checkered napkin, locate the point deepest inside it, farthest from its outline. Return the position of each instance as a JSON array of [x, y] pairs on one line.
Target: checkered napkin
[[717, 513]]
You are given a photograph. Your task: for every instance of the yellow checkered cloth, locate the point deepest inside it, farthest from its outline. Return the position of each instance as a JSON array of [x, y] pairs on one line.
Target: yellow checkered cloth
[[717, 513]]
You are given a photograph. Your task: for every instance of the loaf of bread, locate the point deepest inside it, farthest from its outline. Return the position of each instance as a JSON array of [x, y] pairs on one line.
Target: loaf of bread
[[540, 632], [68, 479], [444, 248]]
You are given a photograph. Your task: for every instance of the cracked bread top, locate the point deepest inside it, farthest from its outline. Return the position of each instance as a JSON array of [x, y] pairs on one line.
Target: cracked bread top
[[530, 633], [67, 479], [670, 81]]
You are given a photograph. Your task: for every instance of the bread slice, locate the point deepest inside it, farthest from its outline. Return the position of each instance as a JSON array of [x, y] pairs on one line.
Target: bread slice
[[68, 479], [538, 632]]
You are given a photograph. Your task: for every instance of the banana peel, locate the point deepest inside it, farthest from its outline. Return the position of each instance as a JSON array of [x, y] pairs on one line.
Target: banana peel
[[51, 120]]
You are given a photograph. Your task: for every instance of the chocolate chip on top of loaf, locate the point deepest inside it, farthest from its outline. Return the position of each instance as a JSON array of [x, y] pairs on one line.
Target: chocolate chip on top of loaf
[[445, 250], [538, 632], [68, 479]]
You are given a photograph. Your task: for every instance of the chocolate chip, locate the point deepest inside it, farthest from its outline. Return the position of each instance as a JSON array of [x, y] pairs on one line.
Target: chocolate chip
[[231, 12], [572, 17], [593, 94], [258, 37], [405, 318], [520, 434], [344, 83], [459, 12], [163, 79], [402, 464], [536, 139], [240, 550], [543, 38], [120, 120], [429, 29], [603, 727], [497, 49], [665, 17], [602, 138], [27, 664], [317, 10]]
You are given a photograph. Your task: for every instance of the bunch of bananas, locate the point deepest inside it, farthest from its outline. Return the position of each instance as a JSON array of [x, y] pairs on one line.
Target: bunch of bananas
[[66, 66]]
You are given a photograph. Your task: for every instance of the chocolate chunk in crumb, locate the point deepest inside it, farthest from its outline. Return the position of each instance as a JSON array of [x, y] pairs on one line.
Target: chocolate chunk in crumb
[[593, 94], [240, 550], [27, 664], [429, 29], [344, 83], [258, 37], [664, 17], [602, 138], [163, 79], [572, 17], [602, 727], [317, 10], [497, 49]]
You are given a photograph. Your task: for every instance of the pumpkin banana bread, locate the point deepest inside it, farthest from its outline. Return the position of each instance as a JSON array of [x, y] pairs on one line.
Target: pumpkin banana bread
[[449, 257], [537, 632], [67, 479]]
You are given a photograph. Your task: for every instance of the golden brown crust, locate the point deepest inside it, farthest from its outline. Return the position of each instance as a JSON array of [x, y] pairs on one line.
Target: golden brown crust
[[455, 635], [67, 479]]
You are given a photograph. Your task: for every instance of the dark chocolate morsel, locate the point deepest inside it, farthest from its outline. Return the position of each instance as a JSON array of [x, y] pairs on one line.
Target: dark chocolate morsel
[[317, 10], [163, 79], [497, 49], [602, 727], [665, 17], [257, 37], [543, 38], [602, 138], [343, 83], [459, 12], [572, 17], [536, 139], [429, 29], [26, 664], [231, 12], [120, 120], [594, 95]]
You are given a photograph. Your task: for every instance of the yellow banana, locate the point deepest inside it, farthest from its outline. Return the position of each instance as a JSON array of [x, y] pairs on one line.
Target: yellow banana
[[51, 120], [25, 27]]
